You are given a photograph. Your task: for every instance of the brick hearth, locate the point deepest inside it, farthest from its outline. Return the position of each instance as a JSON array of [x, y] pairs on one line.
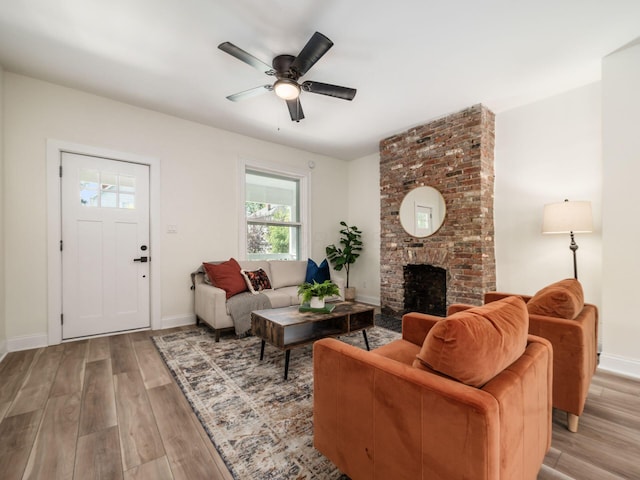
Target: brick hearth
[[453, 154]]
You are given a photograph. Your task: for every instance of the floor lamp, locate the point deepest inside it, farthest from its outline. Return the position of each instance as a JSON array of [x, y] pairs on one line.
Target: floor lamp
[[568, 217]]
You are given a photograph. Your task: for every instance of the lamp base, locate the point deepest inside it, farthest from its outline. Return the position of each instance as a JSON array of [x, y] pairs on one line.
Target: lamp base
[[573, 246]]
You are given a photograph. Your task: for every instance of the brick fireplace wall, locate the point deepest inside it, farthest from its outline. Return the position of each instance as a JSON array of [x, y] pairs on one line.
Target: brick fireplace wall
[[455, 155]]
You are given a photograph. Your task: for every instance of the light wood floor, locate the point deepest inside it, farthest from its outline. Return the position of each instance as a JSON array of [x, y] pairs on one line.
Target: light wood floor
[[108, 408], [103, 408]]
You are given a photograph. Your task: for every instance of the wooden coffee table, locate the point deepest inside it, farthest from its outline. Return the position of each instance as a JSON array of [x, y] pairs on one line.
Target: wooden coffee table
[[286, 328]]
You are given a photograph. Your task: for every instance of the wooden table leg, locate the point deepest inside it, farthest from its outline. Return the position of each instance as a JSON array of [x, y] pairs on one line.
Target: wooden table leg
[[287, 355], [366, 340], [262, 350]]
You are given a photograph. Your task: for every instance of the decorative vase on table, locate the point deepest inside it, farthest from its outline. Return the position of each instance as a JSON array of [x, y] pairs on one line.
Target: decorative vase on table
[[316, 302]]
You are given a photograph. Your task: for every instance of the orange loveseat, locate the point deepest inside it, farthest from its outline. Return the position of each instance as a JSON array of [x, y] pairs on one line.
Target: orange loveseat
[[559, 314], [462, 397]]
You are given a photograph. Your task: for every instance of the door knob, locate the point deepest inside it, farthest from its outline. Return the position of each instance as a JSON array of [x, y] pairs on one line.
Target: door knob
[[141, 259]]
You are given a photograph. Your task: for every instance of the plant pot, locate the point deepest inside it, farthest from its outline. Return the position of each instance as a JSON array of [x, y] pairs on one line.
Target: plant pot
[[350, 294], [316, 302]]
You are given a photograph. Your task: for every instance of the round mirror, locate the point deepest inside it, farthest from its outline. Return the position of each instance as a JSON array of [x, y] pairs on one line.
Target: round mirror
[[422, 211]]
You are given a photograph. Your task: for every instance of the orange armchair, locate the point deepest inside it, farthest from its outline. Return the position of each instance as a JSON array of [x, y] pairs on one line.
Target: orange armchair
[[574, 340], [388, 414]]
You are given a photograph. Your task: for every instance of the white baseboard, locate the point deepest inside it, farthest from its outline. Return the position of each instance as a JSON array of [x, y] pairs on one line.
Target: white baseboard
[[629, 367], [178, 320], [368, 299], [3, 349], [27, 342]]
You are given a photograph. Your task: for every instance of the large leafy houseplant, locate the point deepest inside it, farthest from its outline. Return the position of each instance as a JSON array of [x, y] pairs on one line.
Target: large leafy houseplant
[[347, 255]]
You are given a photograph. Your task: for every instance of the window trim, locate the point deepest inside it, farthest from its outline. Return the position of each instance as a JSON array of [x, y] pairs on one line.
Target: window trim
[[302, 175]]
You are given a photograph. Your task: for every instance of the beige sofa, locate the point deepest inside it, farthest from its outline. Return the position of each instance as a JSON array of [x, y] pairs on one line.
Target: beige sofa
[[284, 276]]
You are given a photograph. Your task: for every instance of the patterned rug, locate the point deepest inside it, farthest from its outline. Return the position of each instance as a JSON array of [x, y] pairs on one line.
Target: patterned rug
[[261, 424]]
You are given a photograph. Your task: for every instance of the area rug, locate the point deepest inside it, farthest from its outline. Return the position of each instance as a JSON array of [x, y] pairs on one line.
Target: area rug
[[261, 424]]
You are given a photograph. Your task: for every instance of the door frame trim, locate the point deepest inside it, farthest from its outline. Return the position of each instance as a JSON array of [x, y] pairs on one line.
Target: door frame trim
[[54, 229]]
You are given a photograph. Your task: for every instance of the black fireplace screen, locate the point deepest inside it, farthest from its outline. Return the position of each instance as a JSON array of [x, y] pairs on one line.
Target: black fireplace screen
[[425, 289]]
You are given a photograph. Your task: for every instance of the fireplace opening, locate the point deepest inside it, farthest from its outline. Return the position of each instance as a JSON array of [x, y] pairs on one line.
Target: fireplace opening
[[425, 289]]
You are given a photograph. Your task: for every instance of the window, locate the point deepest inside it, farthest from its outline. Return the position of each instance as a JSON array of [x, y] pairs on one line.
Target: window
[[106, 190], [273, 214]]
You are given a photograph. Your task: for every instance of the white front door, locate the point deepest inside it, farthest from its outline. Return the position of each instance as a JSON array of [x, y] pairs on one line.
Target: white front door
[[105, 245]]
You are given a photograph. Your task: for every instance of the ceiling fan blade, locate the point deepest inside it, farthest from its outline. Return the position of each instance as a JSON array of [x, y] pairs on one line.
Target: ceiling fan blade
[[327, 89], [295, 109], [246, 57], [253, 92], [315, 48]]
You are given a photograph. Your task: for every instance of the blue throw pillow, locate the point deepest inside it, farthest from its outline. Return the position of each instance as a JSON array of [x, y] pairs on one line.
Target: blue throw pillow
[[316, 272]]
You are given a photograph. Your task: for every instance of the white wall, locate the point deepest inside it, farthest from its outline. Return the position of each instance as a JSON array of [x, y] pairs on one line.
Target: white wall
[[621, 207], [198, 188], [3, 328], [545, 152], [364, 212]]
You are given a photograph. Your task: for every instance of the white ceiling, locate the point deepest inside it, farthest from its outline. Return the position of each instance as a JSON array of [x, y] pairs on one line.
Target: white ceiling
[[410, 60]]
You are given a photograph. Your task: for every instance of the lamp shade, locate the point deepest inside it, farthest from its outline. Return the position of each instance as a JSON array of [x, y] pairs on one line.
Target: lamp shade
[[565, 217]]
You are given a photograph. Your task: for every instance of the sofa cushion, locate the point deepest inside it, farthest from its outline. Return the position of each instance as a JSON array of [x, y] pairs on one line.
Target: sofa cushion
[[318, 273], [399, 350], [256, 280], [287, 273], [475, 345], [563, 299], [227, 276], [278, 298], [292, 293]]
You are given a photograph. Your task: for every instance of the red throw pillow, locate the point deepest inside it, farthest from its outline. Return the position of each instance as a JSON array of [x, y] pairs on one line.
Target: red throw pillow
[[563, 299], [474, 345], [227, 276]]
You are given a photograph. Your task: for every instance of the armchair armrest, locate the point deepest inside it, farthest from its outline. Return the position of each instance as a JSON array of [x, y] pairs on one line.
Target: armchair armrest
[[493, 296], [416, 326], [457, 307], [575, 354]]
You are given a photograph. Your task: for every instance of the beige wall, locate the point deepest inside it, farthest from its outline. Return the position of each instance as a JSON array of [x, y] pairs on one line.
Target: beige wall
[[545, 152], [3, 328], [198, 188], [621, 226], [364, 212]]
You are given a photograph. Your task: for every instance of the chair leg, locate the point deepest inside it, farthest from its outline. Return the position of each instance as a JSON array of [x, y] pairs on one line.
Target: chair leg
[[572, 422]]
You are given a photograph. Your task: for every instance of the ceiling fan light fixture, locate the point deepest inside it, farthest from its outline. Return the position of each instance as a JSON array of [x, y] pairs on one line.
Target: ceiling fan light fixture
[[286, 89]]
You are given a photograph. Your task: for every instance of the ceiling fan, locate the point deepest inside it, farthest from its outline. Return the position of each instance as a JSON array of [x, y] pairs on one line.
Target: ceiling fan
[[288, 69]]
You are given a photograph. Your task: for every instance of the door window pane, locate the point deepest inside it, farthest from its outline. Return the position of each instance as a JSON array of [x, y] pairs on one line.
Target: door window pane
[[89, 181], [127, 184], [127, 191], [126, 200], [108, 199], [107, 189]]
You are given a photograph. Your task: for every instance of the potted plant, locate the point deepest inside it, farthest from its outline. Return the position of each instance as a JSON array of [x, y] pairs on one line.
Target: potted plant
[[347, 255], [314, 293]]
